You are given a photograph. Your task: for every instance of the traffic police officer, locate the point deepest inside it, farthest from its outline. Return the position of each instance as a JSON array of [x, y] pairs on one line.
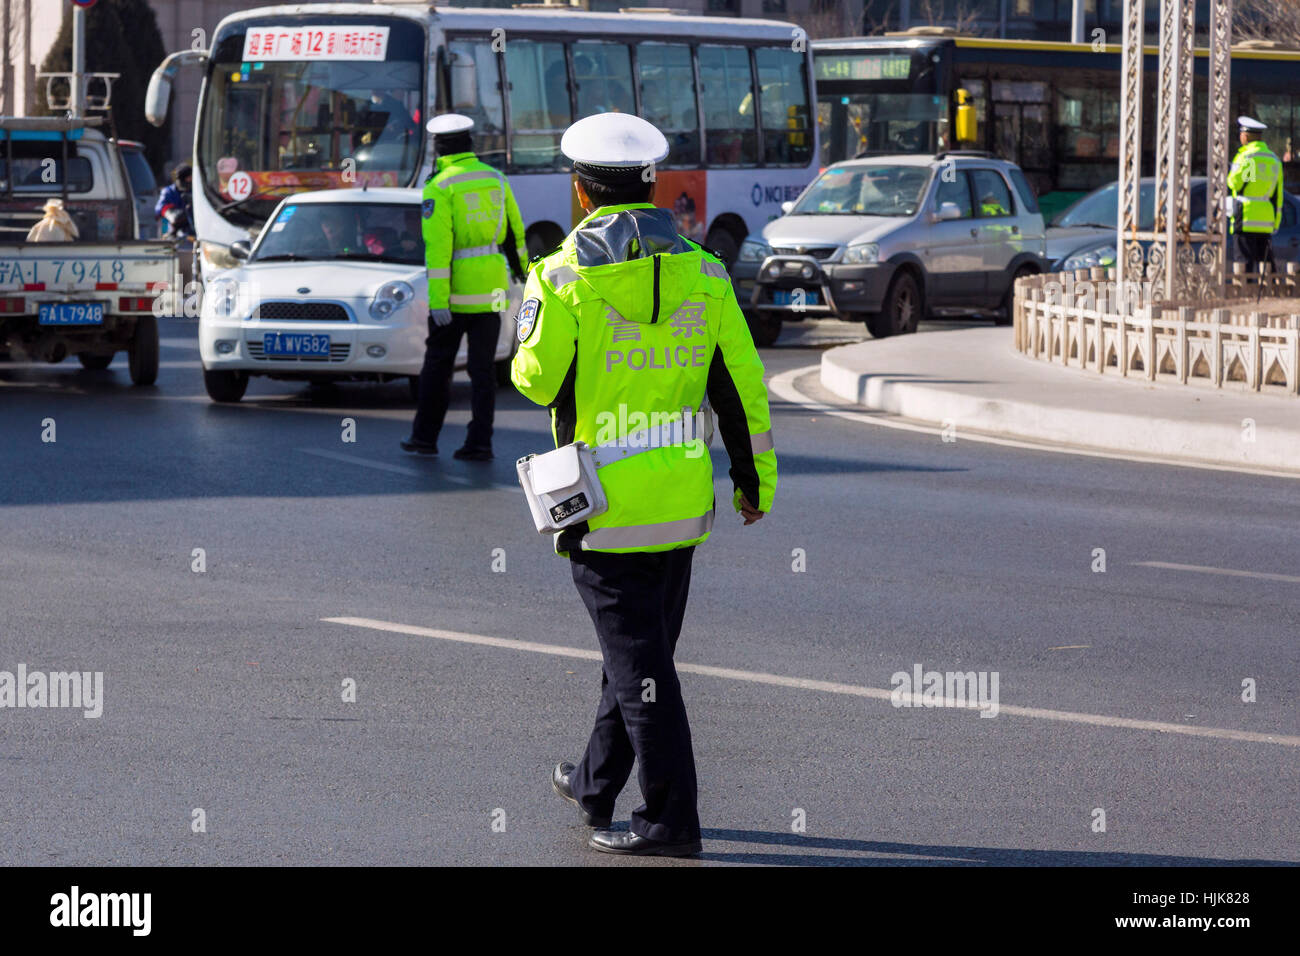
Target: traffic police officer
[[628, 319], [473, 243], [1256, 184]]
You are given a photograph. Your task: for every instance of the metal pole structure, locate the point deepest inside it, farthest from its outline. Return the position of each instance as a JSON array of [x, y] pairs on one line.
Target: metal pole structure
[[1181, 258], [78, 61], [1128, 257], [1076, 22], [1218, 130]]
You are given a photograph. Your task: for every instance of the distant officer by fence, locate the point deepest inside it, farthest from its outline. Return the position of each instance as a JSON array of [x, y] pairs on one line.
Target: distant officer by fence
[[1256, 184]]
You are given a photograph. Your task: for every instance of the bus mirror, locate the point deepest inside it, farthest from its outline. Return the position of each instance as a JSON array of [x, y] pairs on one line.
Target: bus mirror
[[157, 97], [240, 249], [464, 89], [966, 122], [786, 207]]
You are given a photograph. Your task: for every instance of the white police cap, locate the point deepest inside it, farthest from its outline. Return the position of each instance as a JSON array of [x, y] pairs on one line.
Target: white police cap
[[1254, 125], [449, 123], [617, 141]]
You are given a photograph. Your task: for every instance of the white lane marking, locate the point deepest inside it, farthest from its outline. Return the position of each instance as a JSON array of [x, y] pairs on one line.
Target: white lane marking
[[1229, 572], [783, 386], [363, 462], [829, 687]]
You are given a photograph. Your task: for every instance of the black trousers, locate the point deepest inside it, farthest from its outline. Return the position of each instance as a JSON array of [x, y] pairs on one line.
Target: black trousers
[[637, 602], [1254, 248], [483, 329]]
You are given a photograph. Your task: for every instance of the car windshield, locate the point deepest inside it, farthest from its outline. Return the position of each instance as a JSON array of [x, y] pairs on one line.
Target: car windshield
[[865, 191], [1101, 207], [379, 232]]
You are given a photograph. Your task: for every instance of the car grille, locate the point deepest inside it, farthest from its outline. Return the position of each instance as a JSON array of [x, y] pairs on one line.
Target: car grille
[[307, 311], [819, 252], [339, 352]]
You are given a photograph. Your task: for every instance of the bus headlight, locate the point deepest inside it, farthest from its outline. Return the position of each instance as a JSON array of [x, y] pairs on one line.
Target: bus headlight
[[390, 297], [754, 250], [224, 296], [862, 254]]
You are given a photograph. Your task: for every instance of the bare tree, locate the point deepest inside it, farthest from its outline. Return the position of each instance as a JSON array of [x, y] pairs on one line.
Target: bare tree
[[962, 16], [1275, 20], [827, 21]]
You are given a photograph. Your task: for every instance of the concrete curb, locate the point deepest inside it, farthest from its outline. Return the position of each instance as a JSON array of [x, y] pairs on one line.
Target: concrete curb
[[1068, 419]]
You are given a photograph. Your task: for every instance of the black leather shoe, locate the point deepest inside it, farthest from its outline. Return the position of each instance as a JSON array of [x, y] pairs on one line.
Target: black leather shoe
[[465, 453], [560, 784], [416, 447], [626, 843]]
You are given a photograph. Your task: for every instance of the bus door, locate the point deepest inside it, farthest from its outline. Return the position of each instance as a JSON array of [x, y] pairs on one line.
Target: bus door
[[1021, 129]]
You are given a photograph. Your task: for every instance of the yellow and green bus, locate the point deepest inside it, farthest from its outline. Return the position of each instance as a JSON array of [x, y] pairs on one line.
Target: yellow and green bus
[[1051, 108]]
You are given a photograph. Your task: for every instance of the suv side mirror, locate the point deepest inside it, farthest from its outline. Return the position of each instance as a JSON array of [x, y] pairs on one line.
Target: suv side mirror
[[241, 249], [947, 210], [786, 207]]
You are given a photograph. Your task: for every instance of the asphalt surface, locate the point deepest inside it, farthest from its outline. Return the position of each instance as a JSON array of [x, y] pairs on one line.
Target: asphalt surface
[[223, 689]]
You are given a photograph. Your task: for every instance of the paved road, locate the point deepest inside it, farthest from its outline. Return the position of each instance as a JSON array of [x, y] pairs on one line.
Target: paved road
[[223, 688]]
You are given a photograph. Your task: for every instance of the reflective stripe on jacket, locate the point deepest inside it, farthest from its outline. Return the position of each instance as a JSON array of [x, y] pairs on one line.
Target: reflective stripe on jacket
[[1256, 179], [469, 211], [621, 327]]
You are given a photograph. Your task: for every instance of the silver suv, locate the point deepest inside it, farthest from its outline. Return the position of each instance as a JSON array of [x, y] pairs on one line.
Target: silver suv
[[887, 240]]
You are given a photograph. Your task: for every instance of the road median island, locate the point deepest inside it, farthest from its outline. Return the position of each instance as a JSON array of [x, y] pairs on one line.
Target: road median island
[[974, 379]]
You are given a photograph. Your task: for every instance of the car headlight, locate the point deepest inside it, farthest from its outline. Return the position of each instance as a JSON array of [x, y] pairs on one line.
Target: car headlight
[[754, 250], [1103, 256], [224, 296], [864, 253], [390, 297]]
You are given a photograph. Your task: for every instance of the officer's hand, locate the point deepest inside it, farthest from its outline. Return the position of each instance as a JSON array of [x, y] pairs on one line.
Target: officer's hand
[[440, 316], [750, 513]]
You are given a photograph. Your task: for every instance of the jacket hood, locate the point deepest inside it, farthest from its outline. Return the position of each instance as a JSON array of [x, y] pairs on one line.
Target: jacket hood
[[633, 258]]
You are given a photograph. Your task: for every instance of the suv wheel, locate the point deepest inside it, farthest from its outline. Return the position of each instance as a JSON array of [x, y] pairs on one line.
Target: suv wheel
[[901, 311], [764, 327], [1004, 312]]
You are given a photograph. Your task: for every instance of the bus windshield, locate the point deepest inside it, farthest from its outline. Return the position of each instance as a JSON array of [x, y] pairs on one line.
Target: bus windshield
[[882, 100], [310, 103]]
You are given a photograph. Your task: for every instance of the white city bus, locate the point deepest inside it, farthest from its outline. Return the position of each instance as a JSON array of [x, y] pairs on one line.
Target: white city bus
[[325, 95]]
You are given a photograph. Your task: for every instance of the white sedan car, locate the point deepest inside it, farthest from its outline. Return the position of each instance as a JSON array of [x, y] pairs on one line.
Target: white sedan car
[[334, 289]]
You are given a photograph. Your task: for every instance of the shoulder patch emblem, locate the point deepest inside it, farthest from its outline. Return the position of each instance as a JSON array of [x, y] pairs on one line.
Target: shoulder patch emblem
[[426, 208], [527, 318]]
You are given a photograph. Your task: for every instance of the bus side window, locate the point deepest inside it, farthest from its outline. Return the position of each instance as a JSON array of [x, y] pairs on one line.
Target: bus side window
[[538, 80], [477, 65], [787, 140], [667, 83], [603, 72], [727, 92]]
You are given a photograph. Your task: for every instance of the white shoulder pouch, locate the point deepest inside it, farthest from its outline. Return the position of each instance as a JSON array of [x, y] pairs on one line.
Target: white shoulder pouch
[[561, 486]]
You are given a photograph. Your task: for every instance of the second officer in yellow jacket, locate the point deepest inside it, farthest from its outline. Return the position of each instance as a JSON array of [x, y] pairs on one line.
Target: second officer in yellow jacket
[[473, 244]]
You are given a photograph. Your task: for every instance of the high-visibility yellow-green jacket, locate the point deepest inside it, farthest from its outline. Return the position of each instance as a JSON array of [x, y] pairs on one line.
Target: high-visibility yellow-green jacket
[[469, 213], [1256, 178], [628, 322]]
